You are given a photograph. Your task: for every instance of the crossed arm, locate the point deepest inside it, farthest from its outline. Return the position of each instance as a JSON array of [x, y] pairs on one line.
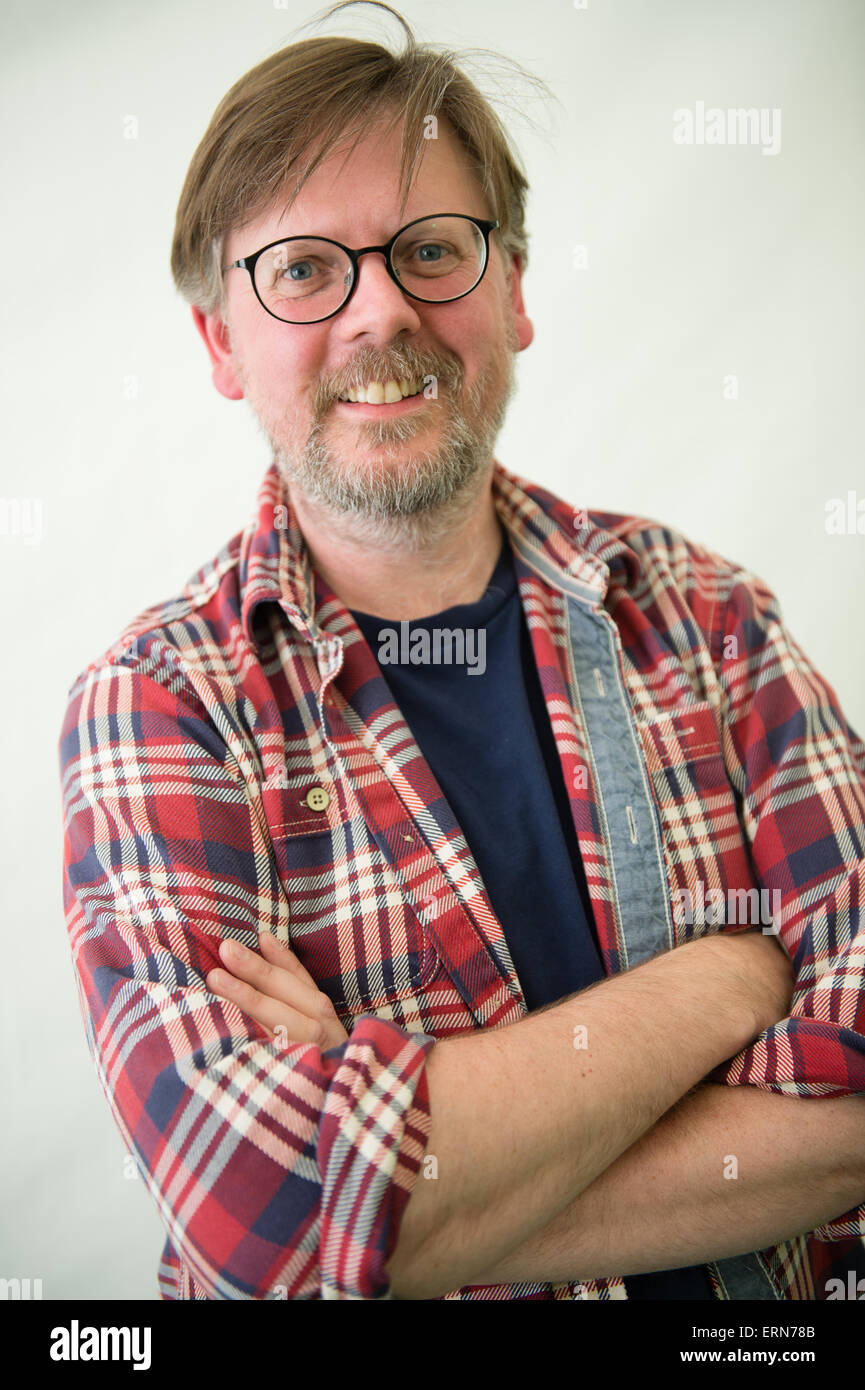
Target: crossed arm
[[717, 1172], [728, 1170]]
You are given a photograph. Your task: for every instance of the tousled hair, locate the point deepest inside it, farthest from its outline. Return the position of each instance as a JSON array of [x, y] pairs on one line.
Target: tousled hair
[[286, 115]]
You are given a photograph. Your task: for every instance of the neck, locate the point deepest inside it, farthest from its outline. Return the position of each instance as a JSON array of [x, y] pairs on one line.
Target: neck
[[412, 567]]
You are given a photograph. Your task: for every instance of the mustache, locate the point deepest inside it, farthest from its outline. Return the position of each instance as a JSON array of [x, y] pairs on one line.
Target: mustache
[[398, 363]]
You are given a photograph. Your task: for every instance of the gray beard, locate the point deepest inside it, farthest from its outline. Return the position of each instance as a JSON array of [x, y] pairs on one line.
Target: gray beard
[[416, 504]]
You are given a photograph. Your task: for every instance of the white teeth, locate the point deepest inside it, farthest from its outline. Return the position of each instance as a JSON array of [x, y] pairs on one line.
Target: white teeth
[[384, 393]]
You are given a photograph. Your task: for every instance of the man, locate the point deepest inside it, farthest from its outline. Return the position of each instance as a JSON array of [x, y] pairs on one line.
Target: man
[[436, 751]]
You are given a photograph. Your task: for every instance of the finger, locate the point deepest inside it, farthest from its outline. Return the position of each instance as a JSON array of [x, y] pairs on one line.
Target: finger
[[280, 954], [270, 979], [281, 1021], [273, 982]]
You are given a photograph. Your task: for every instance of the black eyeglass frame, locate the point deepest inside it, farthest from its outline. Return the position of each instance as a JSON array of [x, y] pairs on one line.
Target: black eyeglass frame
[[249, 263]]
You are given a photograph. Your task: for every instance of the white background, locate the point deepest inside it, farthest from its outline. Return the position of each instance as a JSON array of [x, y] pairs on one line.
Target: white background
[[702, 262]]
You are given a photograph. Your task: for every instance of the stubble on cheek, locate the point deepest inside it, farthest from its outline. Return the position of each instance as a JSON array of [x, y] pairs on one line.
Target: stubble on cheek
[[280, 420]]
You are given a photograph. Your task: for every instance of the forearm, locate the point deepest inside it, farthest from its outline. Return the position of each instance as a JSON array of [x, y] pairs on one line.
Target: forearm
[[671, 1200], [522, 1121]]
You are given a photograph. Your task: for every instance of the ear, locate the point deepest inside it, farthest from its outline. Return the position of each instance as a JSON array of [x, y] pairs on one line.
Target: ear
[[522, 323], [214, 332]]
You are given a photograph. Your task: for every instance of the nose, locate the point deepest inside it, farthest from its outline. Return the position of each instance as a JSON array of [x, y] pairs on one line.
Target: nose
[[378, 308]]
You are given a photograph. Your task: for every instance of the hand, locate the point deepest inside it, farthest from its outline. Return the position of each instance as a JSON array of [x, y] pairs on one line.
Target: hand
[[277, 992]]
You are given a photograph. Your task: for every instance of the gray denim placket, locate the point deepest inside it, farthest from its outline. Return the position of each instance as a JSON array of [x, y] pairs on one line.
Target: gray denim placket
[[627, 813], [632, 834]]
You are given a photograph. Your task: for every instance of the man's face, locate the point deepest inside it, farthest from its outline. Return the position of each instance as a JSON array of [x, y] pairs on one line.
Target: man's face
[[371, 460]]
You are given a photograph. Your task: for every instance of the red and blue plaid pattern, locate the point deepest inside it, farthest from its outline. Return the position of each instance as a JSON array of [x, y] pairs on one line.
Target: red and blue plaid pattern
[[187, 754]]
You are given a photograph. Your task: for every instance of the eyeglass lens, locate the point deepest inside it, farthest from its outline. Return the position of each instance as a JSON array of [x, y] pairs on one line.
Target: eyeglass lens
[[305, 279]]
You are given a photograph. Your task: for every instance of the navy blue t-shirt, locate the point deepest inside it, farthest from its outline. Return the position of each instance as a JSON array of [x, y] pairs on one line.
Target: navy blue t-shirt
[[483, 727]]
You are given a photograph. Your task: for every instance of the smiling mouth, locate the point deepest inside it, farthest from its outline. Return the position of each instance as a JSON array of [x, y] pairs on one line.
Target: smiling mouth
[[384, 392]]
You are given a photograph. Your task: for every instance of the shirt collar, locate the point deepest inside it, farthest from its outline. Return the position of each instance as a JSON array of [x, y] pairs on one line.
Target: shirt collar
[[558, 542], [562, 543]]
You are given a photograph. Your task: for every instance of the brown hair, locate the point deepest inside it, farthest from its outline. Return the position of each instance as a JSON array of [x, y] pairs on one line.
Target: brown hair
[[310, 95]]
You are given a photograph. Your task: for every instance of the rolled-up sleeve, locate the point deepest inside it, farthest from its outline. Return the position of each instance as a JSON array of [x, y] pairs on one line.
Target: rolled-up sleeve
[[800, 771], [278, 1171]]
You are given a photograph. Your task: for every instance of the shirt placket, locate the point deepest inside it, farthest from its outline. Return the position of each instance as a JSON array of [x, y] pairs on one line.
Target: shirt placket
[[631, 834]]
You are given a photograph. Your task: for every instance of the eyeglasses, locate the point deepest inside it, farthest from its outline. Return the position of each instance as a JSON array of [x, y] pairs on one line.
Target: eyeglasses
[[305, 279]]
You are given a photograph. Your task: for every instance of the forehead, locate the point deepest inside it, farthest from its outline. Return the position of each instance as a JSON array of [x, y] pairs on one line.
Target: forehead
[[355, 197]]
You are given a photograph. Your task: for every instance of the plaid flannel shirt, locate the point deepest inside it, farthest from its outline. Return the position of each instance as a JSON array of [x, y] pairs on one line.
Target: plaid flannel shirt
[[188, 753]]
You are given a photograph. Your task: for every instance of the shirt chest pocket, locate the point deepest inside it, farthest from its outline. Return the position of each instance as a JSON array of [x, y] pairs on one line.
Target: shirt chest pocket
[[350, 924], [705, 847]]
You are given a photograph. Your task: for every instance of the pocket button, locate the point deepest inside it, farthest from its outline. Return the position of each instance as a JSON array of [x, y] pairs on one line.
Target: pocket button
[[317, 799]]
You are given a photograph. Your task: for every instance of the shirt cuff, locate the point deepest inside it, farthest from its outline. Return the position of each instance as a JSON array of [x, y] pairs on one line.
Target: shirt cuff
[[373, 1133]]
